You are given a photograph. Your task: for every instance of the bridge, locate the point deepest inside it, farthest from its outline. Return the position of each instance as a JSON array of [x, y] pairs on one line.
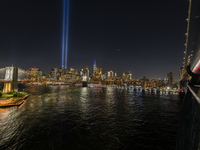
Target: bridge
[[10, 75], [188, 136]]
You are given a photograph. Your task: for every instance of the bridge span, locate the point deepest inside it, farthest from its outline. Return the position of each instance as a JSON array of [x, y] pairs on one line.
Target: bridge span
[[188, 137]]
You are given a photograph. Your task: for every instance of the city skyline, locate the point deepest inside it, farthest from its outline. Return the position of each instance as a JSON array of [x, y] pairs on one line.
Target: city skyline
[[59, 76], [144, 38], [96, 74]]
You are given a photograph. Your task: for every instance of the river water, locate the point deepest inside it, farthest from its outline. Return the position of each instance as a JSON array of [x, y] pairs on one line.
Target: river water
[[90, 118]]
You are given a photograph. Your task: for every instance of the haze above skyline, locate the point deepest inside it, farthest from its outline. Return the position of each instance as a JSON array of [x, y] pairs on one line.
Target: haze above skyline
[[144, 37]]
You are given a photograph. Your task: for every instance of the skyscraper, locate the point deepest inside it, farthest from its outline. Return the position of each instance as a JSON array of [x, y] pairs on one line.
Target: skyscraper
[[170, 78], [100, 73], [110, 74], [94, 69]]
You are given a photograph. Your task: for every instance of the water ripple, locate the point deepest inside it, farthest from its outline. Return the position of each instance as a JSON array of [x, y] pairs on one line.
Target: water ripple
[[62, 117]]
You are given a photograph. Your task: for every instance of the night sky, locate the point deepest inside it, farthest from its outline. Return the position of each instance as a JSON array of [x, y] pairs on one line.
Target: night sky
[[142, 36]]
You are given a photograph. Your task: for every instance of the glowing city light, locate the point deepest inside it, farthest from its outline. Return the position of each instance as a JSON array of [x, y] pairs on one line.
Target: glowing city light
[[65, 32], [84, 78]]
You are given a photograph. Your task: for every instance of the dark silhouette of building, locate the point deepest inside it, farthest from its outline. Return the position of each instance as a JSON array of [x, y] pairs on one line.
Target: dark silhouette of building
[[170, 78]]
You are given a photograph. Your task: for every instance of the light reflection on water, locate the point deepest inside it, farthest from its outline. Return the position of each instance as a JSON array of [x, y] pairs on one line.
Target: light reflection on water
[[62, 117]]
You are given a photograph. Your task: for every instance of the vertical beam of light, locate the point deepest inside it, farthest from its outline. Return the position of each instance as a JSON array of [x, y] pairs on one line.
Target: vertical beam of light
[[63, 34], [66, 35]]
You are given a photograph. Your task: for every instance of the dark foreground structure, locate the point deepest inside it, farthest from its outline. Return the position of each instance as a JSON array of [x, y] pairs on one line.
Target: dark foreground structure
[[189, 126]]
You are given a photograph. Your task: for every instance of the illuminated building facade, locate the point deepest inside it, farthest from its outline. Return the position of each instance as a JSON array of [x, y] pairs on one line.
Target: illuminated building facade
[[94, 69], [97, 72], [34, 74], [110, 75], [100, 73], [72, 75], [73, 71], [127, 76], [104, 77], [154, 83], [54, 74], [85, 72], [144, 82], [59, 73]]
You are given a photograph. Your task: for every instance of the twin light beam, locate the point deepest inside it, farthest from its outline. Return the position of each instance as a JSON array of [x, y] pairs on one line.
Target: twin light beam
[[65, 32]]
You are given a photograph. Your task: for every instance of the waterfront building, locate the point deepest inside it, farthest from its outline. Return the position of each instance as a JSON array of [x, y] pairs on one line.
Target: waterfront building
[[78, 77], [153, 83], [130, 75], [100, 73], [127, 76], [59, 74], [69, 77], [144, 82], [170, 78], [94, 69], [43, 78], [72, 71], [104, 77], [48, 77], [85, 72], [117, 80], [34, 74], [54, 74], [60, 71], [63, 78], [123, 76], [81, 72], [160, 82], [165, 80], [63, 69], [110, 75], [97, 74]]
